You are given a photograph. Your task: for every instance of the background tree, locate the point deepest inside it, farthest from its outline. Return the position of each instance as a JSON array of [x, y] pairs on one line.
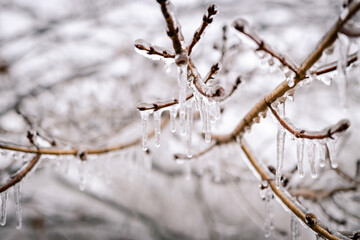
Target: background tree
[[70, 85]]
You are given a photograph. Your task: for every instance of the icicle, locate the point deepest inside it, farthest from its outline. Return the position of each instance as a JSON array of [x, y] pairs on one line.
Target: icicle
[[173, 113], [280, 144], [321, 152], [294, 228], [4, 196], [311, 156], [17, 196], [206, 120], [269, 215], [182, 97], [189, 126], [82, 181], [331, 147], [157, 129], [300, 156], [145, 119], [342, 63]]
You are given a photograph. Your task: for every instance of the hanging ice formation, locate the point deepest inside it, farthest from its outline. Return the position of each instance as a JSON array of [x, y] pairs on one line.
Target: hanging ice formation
[[280, 145], [269, 213], [17, 197], [4, 196], [341, 67]]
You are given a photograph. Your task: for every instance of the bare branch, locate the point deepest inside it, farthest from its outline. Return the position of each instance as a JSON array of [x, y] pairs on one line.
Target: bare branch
[[207, 19], [341, 126]]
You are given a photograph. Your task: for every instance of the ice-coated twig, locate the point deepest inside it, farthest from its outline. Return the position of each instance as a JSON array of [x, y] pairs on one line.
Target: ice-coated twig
[[173, 29], [242, 26], [294, 206], [207, 19], [197, 155], [21, 174], [148, 50], [74, 151], [329, 132]]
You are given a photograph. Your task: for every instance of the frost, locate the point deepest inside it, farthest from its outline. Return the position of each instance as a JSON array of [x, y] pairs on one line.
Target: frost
[[341, 68], [300, 156], [263, 189], [294, 228], [144, 130], [17, 197], [157, 127], [4, 196]]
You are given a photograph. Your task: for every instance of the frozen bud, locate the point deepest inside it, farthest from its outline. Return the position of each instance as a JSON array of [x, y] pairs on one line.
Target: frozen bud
[[82, 154], [218, 91], [240, 25], [181, 59], [310, 220]]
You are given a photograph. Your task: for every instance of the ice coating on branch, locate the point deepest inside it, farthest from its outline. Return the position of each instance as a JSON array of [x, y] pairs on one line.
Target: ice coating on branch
[[4, 196], [173, 113], [152, 52], [294, 227], [290, 77], [280, 145], [341, 68], [269, 213], [189, 126], [263, 189], [300, 156], [182, 81], [17, 197], [311, 148], [157, 127], [144, 130]]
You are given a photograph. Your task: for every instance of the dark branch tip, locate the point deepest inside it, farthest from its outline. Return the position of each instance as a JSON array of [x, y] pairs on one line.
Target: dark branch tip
[[310, 220]]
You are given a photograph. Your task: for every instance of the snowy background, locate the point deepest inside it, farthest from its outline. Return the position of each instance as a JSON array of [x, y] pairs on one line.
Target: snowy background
[[71, 68]]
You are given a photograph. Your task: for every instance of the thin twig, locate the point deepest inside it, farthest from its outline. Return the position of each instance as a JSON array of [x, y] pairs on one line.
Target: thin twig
[[90, 151], [343, 125], [152, 51], [291, 204], [207, 19], [262, 46], [172, 30], [333, 66], [184, 157], [20, 175]]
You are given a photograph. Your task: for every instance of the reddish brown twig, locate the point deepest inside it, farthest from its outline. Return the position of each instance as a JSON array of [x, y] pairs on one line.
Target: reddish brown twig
[[207, 19], [76, 151], [172, 31], [308, 218], [333, 66], [241, 26], [340, 127], [21, 174], [153, 51], [184, 157]]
